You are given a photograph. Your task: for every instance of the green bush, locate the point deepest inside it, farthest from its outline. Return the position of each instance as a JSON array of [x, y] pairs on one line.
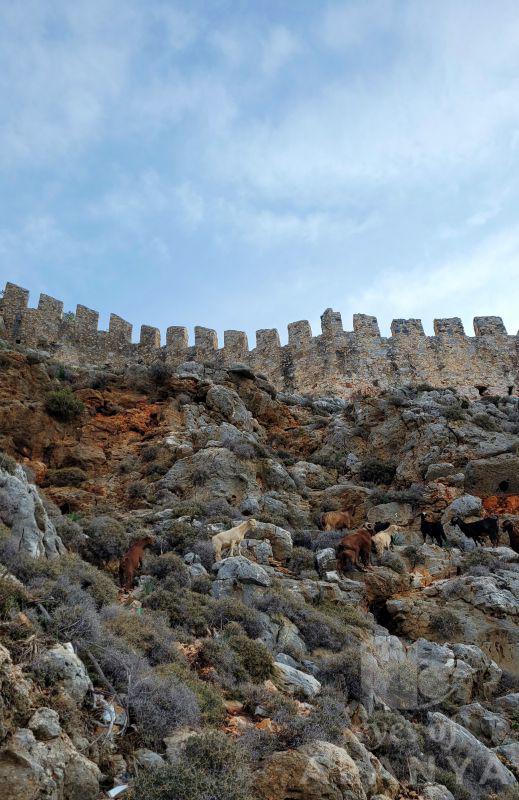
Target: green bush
[[13, 597], [233, 610], [342, 673], [376, 471], [253, 656], [213, 767], [450, 781], [68, 476], [168, 565], [70, 533], [186, 610], [210, 699], [453, 413], [62, 404], [107, 538], [301, 560], [445, 624], [147, 632], [7, 462], [136, 490], [486, 422]]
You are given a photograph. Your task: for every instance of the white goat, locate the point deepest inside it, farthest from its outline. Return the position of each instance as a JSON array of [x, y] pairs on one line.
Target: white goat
[[381, 541], [231, 538]]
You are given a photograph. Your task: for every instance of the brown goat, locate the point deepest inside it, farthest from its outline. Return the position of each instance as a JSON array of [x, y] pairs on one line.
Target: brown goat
[[336, 520], [351, 548], [131, 562], [512, 529]]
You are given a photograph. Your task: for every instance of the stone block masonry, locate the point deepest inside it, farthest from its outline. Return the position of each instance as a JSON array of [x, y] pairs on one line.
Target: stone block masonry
[[333, 362]]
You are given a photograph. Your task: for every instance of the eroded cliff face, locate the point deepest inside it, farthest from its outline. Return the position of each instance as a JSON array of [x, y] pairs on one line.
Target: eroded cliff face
[[395, 681]]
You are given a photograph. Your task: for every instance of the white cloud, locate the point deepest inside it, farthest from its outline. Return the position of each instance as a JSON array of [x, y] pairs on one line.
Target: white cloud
[[434, 106], [266, 228], [478, 283]]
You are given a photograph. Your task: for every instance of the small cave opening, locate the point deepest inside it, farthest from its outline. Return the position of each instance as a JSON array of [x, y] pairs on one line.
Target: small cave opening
[[481, 390], [503, 486], [510, 390], [382, 616]]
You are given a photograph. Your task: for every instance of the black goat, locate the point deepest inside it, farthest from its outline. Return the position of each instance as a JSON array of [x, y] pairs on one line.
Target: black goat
[[512, 529], [432, 529], [480, 529], [380, 526]]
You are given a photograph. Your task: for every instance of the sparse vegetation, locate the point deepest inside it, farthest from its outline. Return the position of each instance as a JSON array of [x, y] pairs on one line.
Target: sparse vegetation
[[376, 471], [63, 405]]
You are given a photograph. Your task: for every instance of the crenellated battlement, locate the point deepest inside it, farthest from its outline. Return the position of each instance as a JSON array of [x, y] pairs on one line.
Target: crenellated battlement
[[334, 360]]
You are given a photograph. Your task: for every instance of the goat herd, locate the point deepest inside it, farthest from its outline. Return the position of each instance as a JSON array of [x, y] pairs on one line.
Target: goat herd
[[355, 549]]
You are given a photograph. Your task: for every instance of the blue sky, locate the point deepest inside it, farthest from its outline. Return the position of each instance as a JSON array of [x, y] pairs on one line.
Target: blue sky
[[243, 165]]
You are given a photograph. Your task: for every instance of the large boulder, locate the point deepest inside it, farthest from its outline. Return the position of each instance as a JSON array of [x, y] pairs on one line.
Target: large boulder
[[395, 513], [229, 404], [314, 476], [315, 771], [241, 570], [280, 540], [491, 728], [488, 476], [465, 506], [374, 777], [211, 473], [455, 748], [23, 512], [52, 769], [67, 669], [294, 681], [487, 674]]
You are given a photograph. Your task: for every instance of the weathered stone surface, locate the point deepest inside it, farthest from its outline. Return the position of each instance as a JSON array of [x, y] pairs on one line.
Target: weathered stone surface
[[228, 403], [148, 759], [313, 772], [455, 747], [44, 723], [487, 672], [240, 569], [68, 670], [23, 512], [374, 777], [508, 702], [32, 770], [325, 560], [395, 513], [294, 681], [436, 791], [486, 475], [465, 506], [443, 470], [279, 538], [487, 726], [510, 752]]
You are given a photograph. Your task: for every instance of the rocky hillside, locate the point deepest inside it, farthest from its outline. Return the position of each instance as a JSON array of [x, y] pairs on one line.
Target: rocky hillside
[[268, 675]]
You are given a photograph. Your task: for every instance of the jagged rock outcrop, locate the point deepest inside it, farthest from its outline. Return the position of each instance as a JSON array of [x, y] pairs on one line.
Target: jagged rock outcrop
[[23, 513]]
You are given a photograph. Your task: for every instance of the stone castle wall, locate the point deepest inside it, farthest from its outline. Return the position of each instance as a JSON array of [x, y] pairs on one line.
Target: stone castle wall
[[336, 361]]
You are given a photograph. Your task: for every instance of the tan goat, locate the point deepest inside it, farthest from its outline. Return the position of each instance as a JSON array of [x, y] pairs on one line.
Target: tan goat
[[231, 538], [382, 541]]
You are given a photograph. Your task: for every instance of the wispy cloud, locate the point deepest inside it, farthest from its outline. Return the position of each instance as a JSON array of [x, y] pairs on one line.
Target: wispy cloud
[[477, 283], [323, 150]]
